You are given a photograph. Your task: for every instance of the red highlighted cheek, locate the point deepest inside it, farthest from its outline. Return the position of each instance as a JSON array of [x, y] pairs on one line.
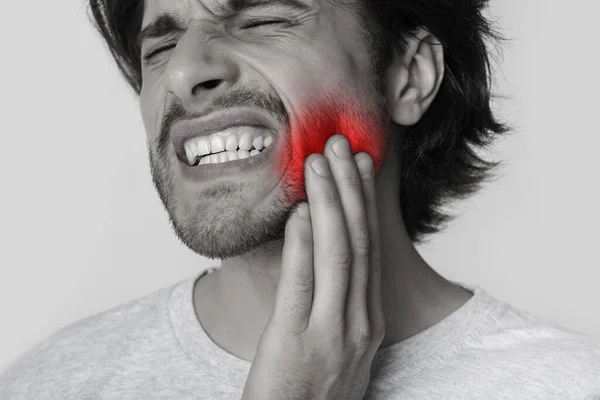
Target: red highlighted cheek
[[317, 123]]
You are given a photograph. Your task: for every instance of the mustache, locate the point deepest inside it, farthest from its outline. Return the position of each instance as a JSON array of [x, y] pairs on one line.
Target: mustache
[[240, 97]]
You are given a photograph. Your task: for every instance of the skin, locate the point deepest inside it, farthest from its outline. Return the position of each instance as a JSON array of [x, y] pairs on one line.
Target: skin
[[242, 220], [327, 322]]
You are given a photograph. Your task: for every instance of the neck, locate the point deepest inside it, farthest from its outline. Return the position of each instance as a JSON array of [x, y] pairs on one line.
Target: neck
[[235, 302]]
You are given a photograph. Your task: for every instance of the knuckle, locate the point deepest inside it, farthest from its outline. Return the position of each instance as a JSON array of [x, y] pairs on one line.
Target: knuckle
[[349, 176], [378, 330], [341, 258], [336, 333], [363, 337], [285, 312], [303, 285], [329, 195], [281, 316], [305, 240], [361, 241], [379, 335]]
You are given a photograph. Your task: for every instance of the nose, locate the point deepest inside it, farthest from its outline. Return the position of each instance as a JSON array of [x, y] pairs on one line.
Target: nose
[[197, 71]]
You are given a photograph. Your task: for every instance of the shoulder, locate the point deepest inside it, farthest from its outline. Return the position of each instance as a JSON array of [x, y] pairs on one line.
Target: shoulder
[[524, 330], [537, 352], [59, 365]]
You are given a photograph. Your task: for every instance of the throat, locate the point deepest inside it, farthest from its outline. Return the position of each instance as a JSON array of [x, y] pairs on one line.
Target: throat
[[234, 324]]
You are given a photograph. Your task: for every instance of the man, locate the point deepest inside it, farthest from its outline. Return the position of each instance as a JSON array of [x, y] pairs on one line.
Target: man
[[308, 144]]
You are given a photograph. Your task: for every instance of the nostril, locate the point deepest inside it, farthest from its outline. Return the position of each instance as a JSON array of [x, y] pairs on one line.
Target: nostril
[[211, 83]]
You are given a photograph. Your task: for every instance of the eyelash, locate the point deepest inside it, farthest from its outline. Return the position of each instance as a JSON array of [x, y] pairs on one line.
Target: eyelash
[[152, 53], [252, 24], [248, 25]]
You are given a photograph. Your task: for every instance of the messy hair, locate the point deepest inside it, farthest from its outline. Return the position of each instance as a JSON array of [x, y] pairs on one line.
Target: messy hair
[[438, 153]]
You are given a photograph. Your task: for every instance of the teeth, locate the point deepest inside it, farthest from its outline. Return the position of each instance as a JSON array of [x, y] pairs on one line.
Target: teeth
[[231, 155], [216, 144], [268, 141], [258, 143], [227, 156], [245, 142], [203, 147], [189, 154], [231, 143], [213, 158]]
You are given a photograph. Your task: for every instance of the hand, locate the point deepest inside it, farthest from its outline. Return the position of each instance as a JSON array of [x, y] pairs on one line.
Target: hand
[[327, 322]]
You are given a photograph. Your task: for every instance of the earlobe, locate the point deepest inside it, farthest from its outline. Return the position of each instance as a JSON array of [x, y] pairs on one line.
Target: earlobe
[[413, 80]]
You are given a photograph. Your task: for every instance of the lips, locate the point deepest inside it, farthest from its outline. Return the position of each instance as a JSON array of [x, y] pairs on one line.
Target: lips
[[215, 122]]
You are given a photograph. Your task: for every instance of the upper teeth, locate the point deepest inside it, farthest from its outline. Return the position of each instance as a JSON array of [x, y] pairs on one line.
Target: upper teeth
[[244, 137]]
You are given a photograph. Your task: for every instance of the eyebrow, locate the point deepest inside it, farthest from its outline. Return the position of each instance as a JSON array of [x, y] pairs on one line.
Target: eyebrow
[[168, 23]]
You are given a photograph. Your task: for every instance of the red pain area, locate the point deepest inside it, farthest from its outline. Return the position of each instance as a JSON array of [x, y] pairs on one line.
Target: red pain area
[[310, 134]]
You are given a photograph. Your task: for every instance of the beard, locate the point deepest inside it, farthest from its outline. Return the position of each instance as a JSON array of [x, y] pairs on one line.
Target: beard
[[219, 222], [215, 227]]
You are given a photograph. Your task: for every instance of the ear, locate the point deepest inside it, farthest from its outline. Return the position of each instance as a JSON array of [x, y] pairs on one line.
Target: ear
[[414, 78]]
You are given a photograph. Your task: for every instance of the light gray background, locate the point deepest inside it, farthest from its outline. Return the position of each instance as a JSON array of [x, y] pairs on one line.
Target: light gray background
[[82, 229]]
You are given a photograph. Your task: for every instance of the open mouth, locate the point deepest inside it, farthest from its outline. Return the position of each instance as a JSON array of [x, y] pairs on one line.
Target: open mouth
[[234, 143]]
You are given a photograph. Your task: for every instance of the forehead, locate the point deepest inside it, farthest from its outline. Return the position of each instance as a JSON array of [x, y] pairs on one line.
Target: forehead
[[327, 24], [216, 8]]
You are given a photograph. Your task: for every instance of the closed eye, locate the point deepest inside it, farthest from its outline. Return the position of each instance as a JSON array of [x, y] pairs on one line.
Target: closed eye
[[253, 24], [151, 54]]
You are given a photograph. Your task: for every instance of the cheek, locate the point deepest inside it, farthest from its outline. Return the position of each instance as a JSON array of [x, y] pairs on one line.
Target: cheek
[[149, 111], [153, 107], [317, 122]]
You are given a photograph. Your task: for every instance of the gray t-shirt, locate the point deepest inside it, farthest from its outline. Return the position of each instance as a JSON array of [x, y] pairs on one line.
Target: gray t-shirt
[[155, 348]]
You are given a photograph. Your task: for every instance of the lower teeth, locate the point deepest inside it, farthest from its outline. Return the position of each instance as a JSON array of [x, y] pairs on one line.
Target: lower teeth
[[225, 156]]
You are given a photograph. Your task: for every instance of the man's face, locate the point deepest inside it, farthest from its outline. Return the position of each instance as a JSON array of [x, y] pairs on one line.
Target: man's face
[[309, 77]]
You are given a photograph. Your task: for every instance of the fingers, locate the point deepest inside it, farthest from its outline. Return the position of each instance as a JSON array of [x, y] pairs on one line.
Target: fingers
[[332, 251], [331, 261], [348, 182], [293, 300], [374, 302]]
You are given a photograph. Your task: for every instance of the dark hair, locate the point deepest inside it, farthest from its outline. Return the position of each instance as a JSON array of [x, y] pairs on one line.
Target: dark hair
[[439, 159]]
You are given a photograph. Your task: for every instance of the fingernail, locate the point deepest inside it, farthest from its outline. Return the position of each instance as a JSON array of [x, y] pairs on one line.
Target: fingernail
[[365, 166], [320, 166], [341, 148]]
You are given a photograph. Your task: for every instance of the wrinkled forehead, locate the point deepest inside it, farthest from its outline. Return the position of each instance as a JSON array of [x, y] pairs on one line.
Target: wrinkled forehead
[[188, 9], [180, 7]]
